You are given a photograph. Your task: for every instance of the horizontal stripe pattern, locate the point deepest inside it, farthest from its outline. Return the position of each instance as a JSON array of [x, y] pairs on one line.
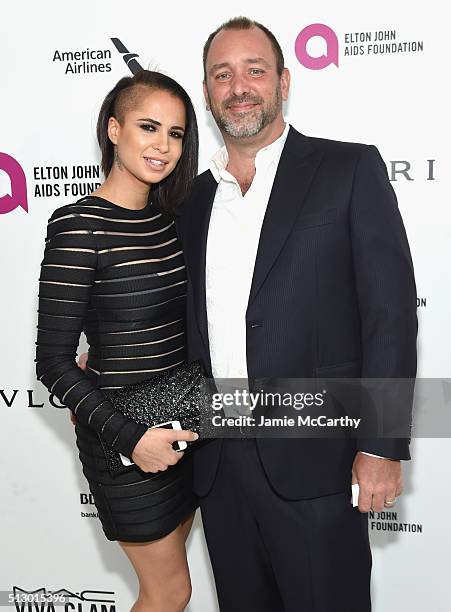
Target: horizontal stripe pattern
[[136, 507], [118, 275]]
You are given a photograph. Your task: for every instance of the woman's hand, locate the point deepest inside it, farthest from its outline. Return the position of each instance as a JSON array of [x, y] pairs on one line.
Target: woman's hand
[[154, 452]]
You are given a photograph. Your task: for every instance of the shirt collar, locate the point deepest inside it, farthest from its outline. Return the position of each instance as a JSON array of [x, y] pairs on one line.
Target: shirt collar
[[266, 156]]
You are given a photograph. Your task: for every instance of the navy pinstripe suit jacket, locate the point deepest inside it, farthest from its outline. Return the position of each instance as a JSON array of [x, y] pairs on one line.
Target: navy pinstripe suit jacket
[[333, 295]]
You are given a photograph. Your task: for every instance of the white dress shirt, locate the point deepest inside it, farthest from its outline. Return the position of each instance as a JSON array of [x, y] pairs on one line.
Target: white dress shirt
[[233, 236]]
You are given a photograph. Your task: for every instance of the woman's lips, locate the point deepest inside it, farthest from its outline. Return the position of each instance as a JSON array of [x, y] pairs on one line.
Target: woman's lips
[[155, 164]]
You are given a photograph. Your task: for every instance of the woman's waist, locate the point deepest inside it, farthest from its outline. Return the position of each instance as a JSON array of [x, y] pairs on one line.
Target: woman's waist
[[127, 310], [110, 336], [136, 348], [119, 372]]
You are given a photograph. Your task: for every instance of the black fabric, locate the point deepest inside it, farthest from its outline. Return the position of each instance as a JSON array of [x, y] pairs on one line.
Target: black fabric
[[118, 275], [333, 294], [136, 506], [270, 554]]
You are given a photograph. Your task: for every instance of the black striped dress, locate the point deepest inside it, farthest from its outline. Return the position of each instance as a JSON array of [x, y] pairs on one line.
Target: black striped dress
[[118, 275]]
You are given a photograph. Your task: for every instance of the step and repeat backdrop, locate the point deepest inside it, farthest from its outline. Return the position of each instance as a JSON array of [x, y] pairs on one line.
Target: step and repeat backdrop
[[374, 74]]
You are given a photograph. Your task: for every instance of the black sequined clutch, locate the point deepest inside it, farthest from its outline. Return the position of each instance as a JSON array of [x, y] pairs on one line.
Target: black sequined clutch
[[177, 395]]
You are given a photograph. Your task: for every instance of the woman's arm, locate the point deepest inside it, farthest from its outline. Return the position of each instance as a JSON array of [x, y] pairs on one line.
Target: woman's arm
[[67, 276]]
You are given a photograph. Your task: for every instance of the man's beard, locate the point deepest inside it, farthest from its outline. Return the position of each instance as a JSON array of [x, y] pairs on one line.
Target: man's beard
[[247, 123]]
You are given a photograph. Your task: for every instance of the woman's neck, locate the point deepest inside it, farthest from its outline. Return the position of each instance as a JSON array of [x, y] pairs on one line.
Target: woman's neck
[[123, 189]]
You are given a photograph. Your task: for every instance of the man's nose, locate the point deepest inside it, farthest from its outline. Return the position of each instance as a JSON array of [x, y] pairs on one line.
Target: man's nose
[[240, 85]]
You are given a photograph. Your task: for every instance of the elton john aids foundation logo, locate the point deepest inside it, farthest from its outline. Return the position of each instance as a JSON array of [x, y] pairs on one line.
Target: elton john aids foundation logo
[[313, 62], [317, 47], [16, 192]]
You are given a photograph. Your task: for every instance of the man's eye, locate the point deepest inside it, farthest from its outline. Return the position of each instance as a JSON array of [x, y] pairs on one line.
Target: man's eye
[[256, 71], [222, 76]]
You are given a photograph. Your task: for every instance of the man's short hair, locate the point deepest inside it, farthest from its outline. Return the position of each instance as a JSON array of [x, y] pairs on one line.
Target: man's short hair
[[243, 23]]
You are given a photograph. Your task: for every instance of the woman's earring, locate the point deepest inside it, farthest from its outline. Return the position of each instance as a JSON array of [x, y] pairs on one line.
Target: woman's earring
[[117, 161]]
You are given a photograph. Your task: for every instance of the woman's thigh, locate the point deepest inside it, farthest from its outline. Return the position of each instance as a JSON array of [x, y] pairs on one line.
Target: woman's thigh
[[161, 565]]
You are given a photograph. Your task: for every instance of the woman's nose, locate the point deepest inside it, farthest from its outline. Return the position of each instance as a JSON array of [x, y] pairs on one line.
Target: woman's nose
[[161, 143]]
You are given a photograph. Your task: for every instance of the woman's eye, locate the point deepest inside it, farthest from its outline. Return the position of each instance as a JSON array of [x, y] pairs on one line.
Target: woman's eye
[[176, 134], [147, 127]]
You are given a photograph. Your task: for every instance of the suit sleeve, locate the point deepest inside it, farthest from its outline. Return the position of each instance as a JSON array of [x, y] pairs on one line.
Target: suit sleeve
[[67, 276], [387, 301]]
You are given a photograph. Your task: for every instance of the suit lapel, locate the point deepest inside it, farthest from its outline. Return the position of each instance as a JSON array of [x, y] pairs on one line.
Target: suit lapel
[[297, 166]]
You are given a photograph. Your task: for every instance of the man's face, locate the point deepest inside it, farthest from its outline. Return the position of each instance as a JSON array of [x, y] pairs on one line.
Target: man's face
[[242, 88]]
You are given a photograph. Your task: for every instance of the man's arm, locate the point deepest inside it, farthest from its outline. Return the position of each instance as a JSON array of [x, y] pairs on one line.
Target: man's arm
[[386, 292], [387, 303]]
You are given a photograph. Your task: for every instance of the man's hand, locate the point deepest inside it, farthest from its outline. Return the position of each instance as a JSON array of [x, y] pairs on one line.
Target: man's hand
[[154, 452], [380, 481], [82, 361]]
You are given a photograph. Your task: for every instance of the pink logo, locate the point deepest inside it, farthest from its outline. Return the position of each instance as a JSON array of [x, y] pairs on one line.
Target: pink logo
[[331, 40], [17, 194]]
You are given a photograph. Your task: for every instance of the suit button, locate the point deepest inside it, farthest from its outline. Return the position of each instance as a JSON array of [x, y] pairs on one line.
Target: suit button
[[255, 324]]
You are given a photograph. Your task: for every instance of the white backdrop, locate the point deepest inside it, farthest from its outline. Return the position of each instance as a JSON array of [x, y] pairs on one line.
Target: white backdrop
[[49, 535]]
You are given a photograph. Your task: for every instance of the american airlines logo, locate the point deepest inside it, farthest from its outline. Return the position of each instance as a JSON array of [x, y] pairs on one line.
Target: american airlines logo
[[129, 58]]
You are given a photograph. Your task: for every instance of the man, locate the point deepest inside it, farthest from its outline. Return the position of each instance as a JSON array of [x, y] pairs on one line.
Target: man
[[298, 266]]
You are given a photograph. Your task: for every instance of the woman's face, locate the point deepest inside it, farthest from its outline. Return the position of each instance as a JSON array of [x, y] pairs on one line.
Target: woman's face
[[149, 138]]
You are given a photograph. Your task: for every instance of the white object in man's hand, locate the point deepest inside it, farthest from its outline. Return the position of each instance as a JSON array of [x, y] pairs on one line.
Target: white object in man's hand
[[379, 480]]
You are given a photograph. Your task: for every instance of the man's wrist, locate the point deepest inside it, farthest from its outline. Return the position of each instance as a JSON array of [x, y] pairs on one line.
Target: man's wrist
[[372, 455]]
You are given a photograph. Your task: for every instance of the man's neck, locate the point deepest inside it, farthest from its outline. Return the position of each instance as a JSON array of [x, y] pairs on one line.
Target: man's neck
[[242, 151]]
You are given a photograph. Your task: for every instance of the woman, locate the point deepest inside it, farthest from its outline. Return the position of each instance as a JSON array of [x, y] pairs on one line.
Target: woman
[[113, 268]]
